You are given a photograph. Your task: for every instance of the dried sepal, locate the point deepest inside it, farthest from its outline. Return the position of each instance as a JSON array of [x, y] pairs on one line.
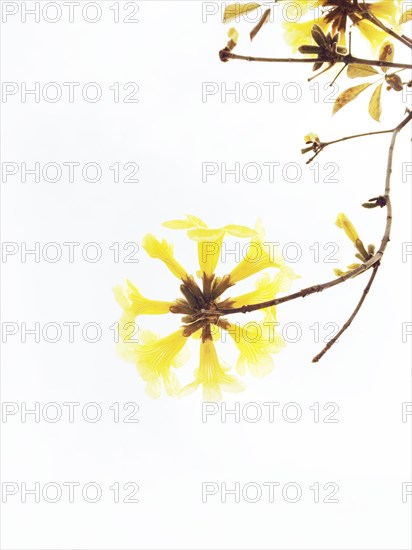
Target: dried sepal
[[394, 82], [386, 53]]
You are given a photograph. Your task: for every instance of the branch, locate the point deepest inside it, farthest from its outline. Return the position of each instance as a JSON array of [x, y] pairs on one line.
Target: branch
[[384, 242], [348, 323], [314, 289], [372, 262], [325, 144], [320, 146], [226, 54]]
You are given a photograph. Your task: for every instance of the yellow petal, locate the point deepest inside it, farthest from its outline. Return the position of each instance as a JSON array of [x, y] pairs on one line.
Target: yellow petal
[[372, 33], [343, 223], [266, 289], [299, 34], [406, 16], [133, 302], [387, 10], [163, 251], [212, 376], [312, 137], [209, 239], [239, 231], [233, 35], [210, 243], [256, 343], [208, 247], [189, 223], [259, 256], [154, 358]]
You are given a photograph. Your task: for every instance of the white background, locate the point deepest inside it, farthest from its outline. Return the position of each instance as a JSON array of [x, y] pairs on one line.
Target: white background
[[171, 52]]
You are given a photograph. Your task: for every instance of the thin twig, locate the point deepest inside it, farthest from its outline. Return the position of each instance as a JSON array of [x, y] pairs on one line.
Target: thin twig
[[325, 144], [348, 323]]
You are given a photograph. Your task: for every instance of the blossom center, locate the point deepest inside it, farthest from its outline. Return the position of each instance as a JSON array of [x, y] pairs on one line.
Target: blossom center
[[200, 306]]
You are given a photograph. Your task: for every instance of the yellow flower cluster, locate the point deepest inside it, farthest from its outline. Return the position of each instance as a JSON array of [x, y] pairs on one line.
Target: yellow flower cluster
[[202, 306], [334, 16]]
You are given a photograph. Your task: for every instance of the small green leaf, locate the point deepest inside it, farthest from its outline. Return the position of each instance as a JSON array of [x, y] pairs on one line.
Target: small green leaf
[[349, 95], [362, 71], [375, 107]]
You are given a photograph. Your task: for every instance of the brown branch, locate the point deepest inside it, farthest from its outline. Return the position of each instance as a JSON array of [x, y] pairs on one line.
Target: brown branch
[[348, 323], [314, 289], [384, 242], [379, 132], [225, 55], [320, 146], [373, 262]]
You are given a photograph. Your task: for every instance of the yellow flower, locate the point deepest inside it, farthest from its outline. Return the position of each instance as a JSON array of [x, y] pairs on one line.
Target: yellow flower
[[338, 15], [212, 376], [203, 308]]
